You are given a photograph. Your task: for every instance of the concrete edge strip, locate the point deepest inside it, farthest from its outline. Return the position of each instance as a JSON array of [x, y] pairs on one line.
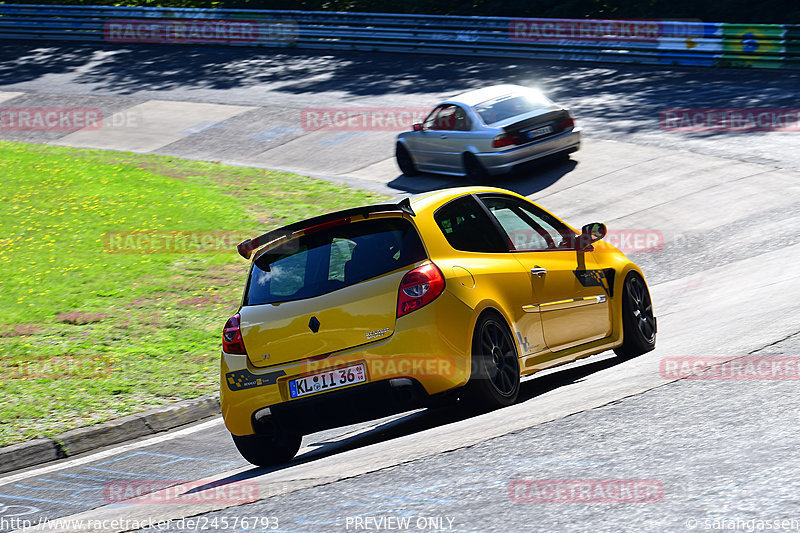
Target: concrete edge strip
[[89, 438]]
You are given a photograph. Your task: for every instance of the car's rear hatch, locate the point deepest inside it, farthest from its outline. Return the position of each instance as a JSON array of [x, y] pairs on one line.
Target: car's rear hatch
[[331, 288]]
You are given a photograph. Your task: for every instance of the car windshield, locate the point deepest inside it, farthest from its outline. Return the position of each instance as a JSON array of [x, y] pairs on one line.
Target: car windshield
[[505, 107]]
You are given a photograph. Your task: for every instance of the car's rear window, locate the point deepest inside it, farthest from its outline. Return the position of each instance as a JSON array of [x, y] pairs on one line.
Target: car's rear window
[[499, 109], [333, 258]]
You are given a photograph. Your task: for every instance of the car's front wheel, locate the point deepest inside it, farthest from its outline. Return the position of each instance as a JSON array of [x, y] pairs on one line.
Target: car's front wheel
[[262, 450], [495, 365], [404, 161], [638, 321]]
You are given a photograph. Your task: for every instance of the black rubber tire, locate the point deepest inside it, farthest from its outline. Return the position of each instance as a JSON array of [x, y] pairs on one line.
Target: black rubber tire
[[473, 169], [262, 450], [638, 323], [404, 161], [495, 365]]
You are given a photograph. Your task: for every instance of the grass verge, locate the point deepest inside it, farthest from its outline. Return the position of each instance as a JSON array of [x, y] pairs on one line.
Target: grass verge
[[95, 322]]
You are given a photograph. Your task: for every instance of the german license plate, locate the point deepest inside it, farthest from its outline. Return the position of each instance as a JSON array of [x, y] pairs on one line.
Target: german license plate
[[328, 380], [538, 132]]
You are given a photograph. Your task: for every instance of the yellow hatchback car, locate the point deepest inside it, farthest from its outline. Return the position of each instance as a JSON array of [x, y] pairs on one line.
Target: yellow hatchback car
[[376, 310]]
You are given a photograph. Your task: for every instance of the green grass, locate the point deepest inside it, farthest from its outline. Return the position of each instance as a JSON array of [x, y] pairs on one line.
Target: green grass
[[88, 334]]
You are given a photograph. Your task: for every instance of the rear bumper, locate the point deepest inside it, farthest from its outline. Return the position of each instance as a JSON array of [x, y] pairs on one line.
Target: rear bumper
[[430, 347], [342, 407], [503, 162]]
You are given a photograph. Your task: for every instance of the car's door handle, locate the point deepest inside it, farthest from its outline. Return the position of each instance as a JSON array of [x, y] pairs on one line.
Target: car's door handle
[[538, 271], [443, 136]]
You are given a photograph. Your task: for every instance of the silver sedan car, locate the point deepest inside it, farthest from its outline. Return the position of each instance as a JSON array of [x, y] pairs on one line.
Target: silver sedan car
[[487, 132]]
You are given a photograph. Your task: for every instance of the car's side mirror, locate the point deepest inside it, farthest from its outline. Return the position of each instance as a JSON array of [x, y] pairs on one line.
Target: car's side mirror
[[417, 127], [591, 233]]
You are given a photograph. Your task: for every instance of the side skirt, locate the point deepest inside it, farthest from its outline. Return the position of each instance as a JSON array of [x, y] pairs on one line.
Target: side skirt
[[533, 363]]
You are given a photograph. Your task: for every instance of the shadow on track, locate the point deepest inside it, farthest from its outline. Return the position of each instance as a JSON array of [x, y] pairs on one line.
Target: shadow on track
[[526, 180], [625, 98]]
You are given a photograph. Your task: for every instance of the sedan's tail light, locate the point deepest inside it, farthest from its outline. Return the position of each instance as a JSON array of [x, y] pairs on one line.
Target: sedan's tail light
[[506, 139], [566, 123], [418, 288], [232, 341]]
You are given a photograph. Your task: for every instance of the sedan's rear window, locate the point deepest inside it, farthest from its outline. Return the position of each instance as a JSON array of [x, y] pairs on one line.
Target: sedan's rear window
[[333, 258], [499, 109]]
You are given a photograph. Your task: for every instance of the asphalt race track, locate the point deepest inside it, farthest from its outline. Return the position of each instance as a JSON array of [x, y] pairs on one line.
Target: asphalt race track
[[724, 281]]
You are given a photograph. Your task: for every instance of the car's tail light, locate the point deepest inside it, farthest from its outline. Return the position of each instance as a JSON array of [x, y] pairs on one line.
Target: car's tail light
[[232, 341], [566, 123], [506, 139], [418, 288]]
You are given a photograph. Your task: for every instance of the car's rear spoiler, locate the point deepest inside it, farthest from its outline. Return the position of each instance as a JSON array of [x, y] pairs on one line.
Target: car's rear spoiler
[[246, 248]]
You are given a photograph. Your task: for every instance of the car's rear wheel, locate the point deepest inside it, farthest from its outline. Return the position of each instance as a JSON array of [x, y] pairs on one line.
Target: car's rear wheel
[[404, 161], [473, 169], [495, 365], [638, 322], [262, 450]]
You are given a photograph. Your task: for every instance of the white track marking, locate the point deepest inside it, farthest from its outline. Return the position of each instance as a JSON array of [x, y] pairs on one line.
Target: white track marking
[[61, 465]]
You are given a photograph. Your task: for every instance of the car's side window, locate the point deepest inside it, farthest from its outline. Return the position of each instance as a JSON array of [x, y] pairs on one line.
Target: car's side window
[[447, 117], [462, 122], [432, 120], [468, 228], [529, 228]]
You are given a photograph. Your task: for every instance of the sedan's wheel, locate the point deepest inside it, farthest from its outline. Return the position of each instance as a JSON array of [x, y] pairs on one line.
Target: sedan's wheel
[[404, 161], [495, 365], [638, 322], [262, 450], [473, 169]]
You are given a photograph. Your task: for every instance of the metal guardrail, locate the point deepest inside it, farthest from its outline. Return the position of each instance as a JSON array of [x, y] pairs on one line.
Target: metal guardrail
[[622, 41]]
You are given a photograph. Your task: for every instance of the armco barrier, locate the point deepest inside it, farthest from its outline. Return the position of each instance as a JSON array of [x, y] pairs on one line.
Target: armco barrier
[[753, 45], [622, 41]]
